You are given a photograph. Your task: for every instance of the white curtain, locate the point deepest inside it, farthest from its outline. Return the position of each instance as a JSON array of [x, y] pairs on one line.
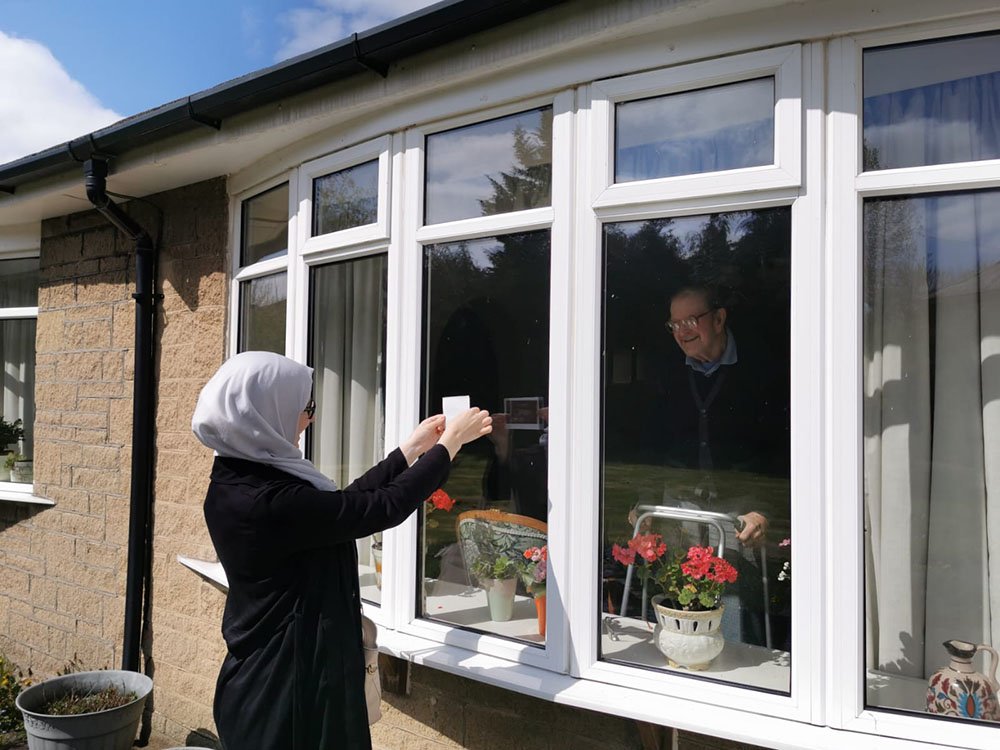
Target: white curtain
[[348, 354], [932, 427]]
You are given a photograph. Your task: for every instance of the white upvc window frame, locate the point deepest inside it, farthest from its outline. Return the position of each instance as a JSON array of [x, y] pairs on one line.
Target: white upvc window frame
[[556, 218], [378, 149], [701, 194], [21, 492], [239, 273], [783, 63], [849, 186]]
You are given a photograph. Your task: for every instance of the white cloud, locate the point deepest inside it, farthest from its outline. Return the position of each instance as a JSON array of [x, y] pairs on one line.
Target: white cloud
[[41, 105], [323, 22]]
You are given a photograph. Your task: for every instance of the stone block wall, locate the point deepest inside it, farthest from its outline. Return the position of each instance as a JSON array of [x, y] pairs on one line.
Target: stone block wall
[[64, 567]]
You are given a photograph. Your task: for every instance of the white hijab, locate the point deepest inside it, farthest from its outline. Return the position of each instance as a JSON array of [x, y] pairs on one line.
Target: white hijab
[[250, 409]]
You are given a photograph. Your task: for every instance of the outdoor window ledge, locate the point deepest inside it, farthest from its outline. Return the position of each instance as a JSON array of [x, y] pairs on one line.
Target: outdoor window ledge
[[207, 569], [687, 715], [17, 492]]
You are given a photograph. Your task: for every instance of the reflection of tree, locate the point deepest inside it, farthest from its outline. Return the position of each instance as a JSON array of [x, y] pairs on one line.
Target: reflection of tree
[[745, 256], [528, 183], [345, 199]]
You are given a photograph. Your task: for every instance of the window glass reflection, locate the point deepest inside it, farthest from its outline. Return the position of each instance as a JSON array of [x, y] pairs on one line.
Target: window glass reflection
[[347, 352], [345, 199], [264, 232], [489, 168], [932, 102], [931, 438], [19, 282], [486, 334], [262, 313], [695, 442], [709, 130]]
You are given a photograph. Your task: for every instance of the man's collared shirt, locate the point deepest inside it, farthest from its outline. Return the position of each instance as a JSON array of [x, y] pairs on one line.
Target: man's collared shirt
[[728, 358]]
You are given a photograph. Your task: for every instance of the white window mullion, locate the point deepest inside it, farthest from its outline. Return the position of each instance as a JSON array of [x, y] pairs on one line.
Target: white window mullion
[[401, 547], [842, 513], [583, 483], [807, 379]]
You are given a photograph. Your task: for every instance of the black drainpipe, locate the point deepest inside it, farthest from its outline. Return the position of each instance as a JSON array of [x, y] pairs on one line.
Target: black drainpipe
[[140, 511]]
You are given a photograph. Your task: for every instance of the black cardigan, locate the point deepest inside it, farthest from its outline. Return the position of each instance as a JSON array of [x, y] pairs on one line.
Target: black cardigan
[[294, 675]]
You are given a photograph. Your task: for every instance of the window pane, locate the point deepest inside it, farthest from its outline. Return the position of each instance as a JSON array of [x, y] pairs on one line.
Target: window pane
[[345, 199], [932, 102], [490, 168], [17, 344], [348, 353], [265, 226], [262, 314], [486, 334], [696, 423], [709, 130], [931, 444], [19, 282]]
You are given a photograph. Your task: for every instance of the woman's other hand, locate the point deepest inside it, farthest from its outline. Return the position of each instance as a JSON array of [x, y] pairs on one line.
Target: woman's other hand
[[464, 428], [423, 438]]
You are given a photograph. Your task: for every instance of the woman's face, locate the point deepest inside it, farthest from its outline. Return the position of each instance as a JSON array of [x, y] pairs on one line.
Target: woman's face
[[306, 418]]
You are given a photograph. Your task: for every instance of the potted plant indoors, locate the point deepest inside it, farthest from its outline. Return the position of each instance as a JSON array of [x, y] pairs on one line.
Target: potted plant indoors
[[497, 575], [534, 569], [688, 607], [97, 710], [10, 435], [20, 467]]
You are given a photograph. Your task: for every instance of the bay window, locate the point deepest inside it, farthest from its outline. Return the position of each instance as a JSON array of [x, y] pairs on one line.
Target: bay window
[[699, 296]]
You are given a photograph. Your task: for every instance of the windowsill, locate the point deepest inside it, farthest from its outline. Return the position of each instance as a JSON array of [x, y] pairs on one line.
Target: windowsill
[[886, 690], [465, 606], [21, 492], [208, 570], [370, 593], [740, 663]]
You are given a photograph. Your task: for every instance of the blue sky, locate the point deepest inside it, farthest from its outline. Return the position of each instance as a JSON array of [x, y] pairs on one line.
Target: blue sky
[[68, 67]]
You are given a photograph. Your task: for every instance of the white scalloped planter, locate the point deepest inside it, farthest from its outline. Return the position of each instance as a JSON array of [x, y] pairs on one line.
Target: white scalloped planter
[[103, 730], [688, 639]]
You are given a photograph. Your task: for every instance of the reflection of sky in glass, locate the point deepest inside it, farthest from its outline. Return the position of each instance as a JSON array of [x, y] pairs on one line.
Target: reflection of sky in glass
[[479, 251], [709, 130], [932, 102], [461, 161], [345, 199], [687, 229], [265, 226]]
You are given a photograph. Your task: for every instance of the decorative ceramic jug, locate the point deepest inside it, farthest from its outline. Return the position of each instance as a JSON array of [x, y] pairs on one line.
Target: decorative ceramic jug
[[959, 690]]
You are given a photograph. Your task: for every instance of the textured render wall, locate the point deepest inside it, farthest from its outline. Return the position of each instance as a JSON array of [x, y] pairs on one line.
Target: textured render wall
[[63, 568]]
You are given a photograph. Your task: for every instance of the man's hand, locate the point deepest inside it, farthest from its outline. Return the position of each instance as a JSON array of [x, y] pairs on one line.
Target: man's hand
[[754, 528]]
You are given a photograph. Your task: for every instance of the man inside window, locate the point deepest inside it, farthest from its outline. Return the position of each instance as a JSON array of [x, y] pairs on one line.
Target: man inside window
[[723, 438]]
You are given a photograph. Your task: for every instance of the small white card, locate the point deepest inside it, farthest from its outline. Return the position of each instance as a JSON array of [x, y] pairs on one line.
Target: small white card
[[452, 406]]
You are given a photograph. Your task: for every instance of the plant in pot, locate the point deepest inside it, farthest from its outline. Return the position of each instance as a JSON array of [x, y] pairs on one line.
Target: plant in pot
[[96, 710], [688, 607], [533, 571], [20, 467], [11, 434], [497, 575]]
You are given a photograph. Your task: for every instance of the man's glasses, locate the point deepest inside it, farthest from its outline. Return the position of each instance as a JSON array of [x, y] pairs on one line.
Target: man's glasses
[[310, 410], [687, 323]]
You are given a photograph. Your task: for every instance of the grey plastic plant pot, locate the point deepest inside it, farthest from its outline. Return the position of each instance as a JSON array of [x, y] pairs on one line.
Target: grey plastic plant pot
[[114, 729]]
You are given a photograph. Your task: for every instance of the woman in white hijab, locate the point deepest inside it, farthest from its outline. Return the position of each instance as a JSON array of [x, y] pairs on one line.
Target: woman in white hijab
[[294, 674]]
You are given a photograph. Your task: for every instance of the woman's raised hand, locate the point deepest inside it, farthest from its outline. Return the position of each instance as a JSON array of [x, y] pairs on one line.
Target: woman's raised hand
[[423, 438], [464, 428]]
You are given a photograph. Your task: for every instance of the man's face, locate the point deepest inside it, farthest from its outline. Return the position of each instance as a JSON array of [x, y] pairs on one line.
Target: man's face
[[706, 340]]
